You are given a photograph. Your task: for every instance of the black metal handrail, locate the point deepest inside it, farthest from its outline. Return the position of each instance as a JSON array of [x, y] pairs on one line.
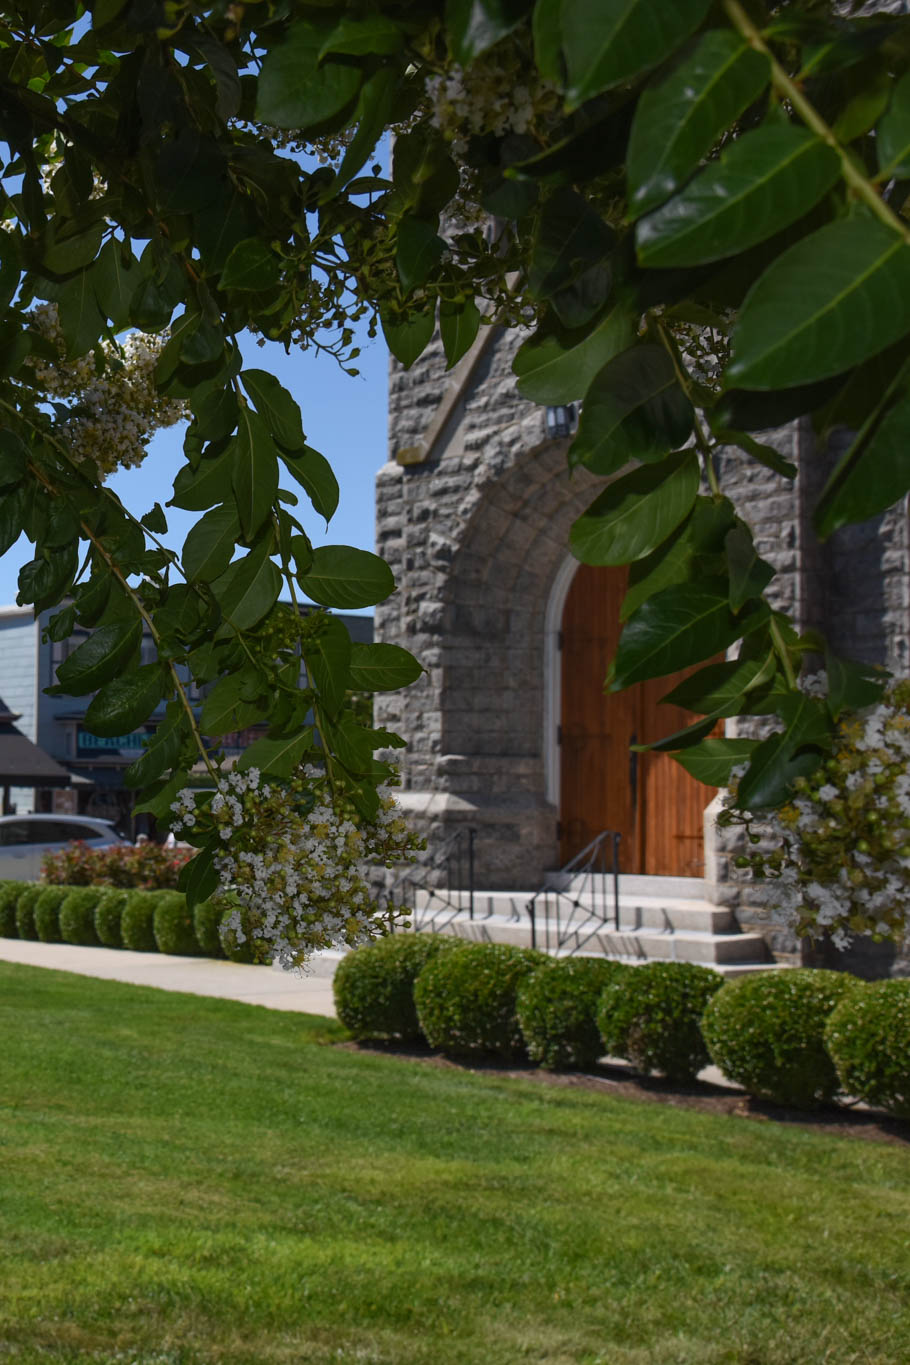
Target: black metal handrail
[[571, 918], [444, 876]]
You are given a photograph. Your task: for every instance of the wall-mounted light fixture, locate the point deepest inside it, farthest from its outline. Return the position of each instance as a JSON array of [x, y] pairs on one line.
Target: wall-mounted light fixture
[[560, 421]]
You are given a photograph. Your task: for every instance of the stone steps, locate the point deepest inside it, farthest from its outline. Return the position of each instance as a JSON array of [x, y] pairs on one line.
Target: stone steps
[[668, 927]]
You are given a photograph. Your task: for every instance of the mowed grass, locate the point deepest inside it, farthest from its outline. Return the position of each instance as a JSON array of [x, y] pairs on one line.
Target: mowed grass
[[196, 1182]]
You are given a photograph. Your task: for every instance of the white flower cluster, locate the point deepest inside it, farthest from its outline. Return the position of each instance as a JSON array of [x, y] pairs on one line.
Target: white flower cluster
[[497, 94], [297, 868], [841, 861], [114, 413]]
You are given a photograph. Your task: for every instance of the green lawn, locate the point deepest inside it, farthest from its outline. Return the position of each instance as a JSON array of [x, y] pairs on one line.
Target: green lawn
[[186, 1180]]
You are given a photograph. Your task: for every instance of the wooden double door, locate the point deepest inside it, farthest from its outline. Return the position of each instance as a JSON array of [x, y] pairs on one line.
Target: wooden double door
[[653, 802]]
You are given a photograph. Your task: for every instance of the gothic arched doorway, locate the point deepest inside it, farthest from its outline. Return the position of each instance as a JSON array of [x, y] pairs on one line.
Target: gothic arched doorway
[[654, 804]]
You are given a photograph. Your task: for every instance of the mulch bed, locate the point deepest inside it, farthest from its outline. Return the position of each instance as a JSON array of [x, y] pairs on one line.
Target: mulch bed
[[870, 1124]]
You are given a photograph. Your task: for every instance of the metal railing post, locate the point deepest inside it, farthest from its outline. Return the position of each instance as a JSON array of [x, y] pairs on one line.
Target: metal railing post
[[616, 839], [472, 834]]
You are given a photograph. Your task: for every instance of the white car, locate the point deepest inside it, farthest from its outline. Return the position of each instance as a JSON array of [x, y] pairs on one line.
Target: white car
[[24, 840]]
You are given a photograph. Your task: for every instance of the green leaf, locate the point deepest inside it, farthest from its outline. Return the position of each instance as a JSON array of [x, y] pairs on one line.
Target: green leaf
[[74, 251], [374, 112], [279, 757], [198, 878], [749, 574], [793, 752], [547, 31], [13, 458], [254, 472], [852, 685], [636, 513], [605, 45], [713, 761], [11, 513], [115, 278], [766, 455], [892, 133], [47, 577], [698, 542], [105, 653], [569, 238], [163, 796], [872, 475], [475, 25], [459, 324], [721, 689], [681, 118], [382, 668], [155, 520], [829, 302], [328, 660], [419, 251], [554, 366], [682, 625], [80, 317], [226, 708], [251, 265], [276, 407], [314, 474], [633, 410], [197, 489], [125, 703], [248, 589], [160, 754], [295, 90], [763, 182], [408, 337], [345, 577], [62, 624], [371, 35], [209, 547]]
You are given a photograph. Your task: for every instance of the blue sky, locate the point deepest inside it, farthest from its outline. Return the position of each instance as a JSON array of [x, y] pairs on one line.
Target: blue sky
[[343, 417]]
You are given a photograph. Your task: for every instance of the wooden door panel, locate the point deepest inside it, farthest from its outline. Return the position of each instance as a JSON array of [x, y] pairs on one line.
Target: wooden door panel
[[660, 813]]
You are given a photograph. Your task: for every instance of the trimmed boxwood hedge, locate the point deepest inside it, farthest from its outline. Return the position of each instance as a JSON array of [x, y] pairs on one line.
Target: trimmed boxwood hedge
[[466, 1000], [557, 1010], [137, 921], [868, 1038], [47, 913], [108, 914], [651, 1017], [25, 911], [374, 985], [9, 895], [77, 916], [206, 919], [767, 1033], [172, 925]]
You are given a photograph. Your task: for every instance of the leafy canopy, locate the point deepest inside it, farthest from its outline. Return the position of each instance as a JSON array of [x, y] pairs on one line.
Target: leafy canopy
[[700, 205]]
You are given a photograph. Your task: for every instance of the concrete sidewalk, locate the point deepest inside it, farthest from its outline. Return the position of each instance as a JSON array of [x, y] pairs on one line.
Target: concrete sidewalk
[[276, 990]]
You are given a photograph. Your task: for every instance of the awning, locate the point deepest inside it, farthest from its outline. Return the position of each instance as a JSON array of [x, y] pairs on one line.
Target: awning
[[22, 763]]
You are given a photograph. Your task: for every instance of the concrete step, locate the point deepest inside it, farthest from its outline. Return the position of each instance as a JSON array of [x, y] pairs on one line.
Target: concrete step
[[630, 884], [634, 913]]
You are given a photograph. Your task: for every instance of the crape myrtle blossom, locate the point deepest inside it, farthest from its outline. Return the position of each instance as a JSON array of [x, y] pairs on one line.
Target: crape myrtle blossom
[[297, 856], [839, 859]]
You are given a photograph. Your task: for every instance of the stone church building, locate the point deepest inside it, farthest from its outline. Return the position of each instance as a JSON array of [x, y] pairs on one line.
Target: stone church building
[[509, 731]]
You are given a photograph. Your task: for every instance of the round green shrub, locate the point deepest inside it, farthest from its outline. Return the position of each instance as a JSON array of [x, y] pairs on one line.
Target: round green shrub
[[47, 913], [173, 925], [766, 1033], [374, 985], [206, 918], [466, 1000], [108, 913], [557, 1010], [868, 1038], [651, 1016], [77, 916], [25, 910], [137, 921], [9, 895], [246, 946]]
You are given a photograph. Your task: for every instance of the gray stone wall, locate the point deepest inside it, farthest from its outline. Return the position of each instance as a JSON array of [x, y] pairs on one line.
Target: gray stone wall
[[475, 529]]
